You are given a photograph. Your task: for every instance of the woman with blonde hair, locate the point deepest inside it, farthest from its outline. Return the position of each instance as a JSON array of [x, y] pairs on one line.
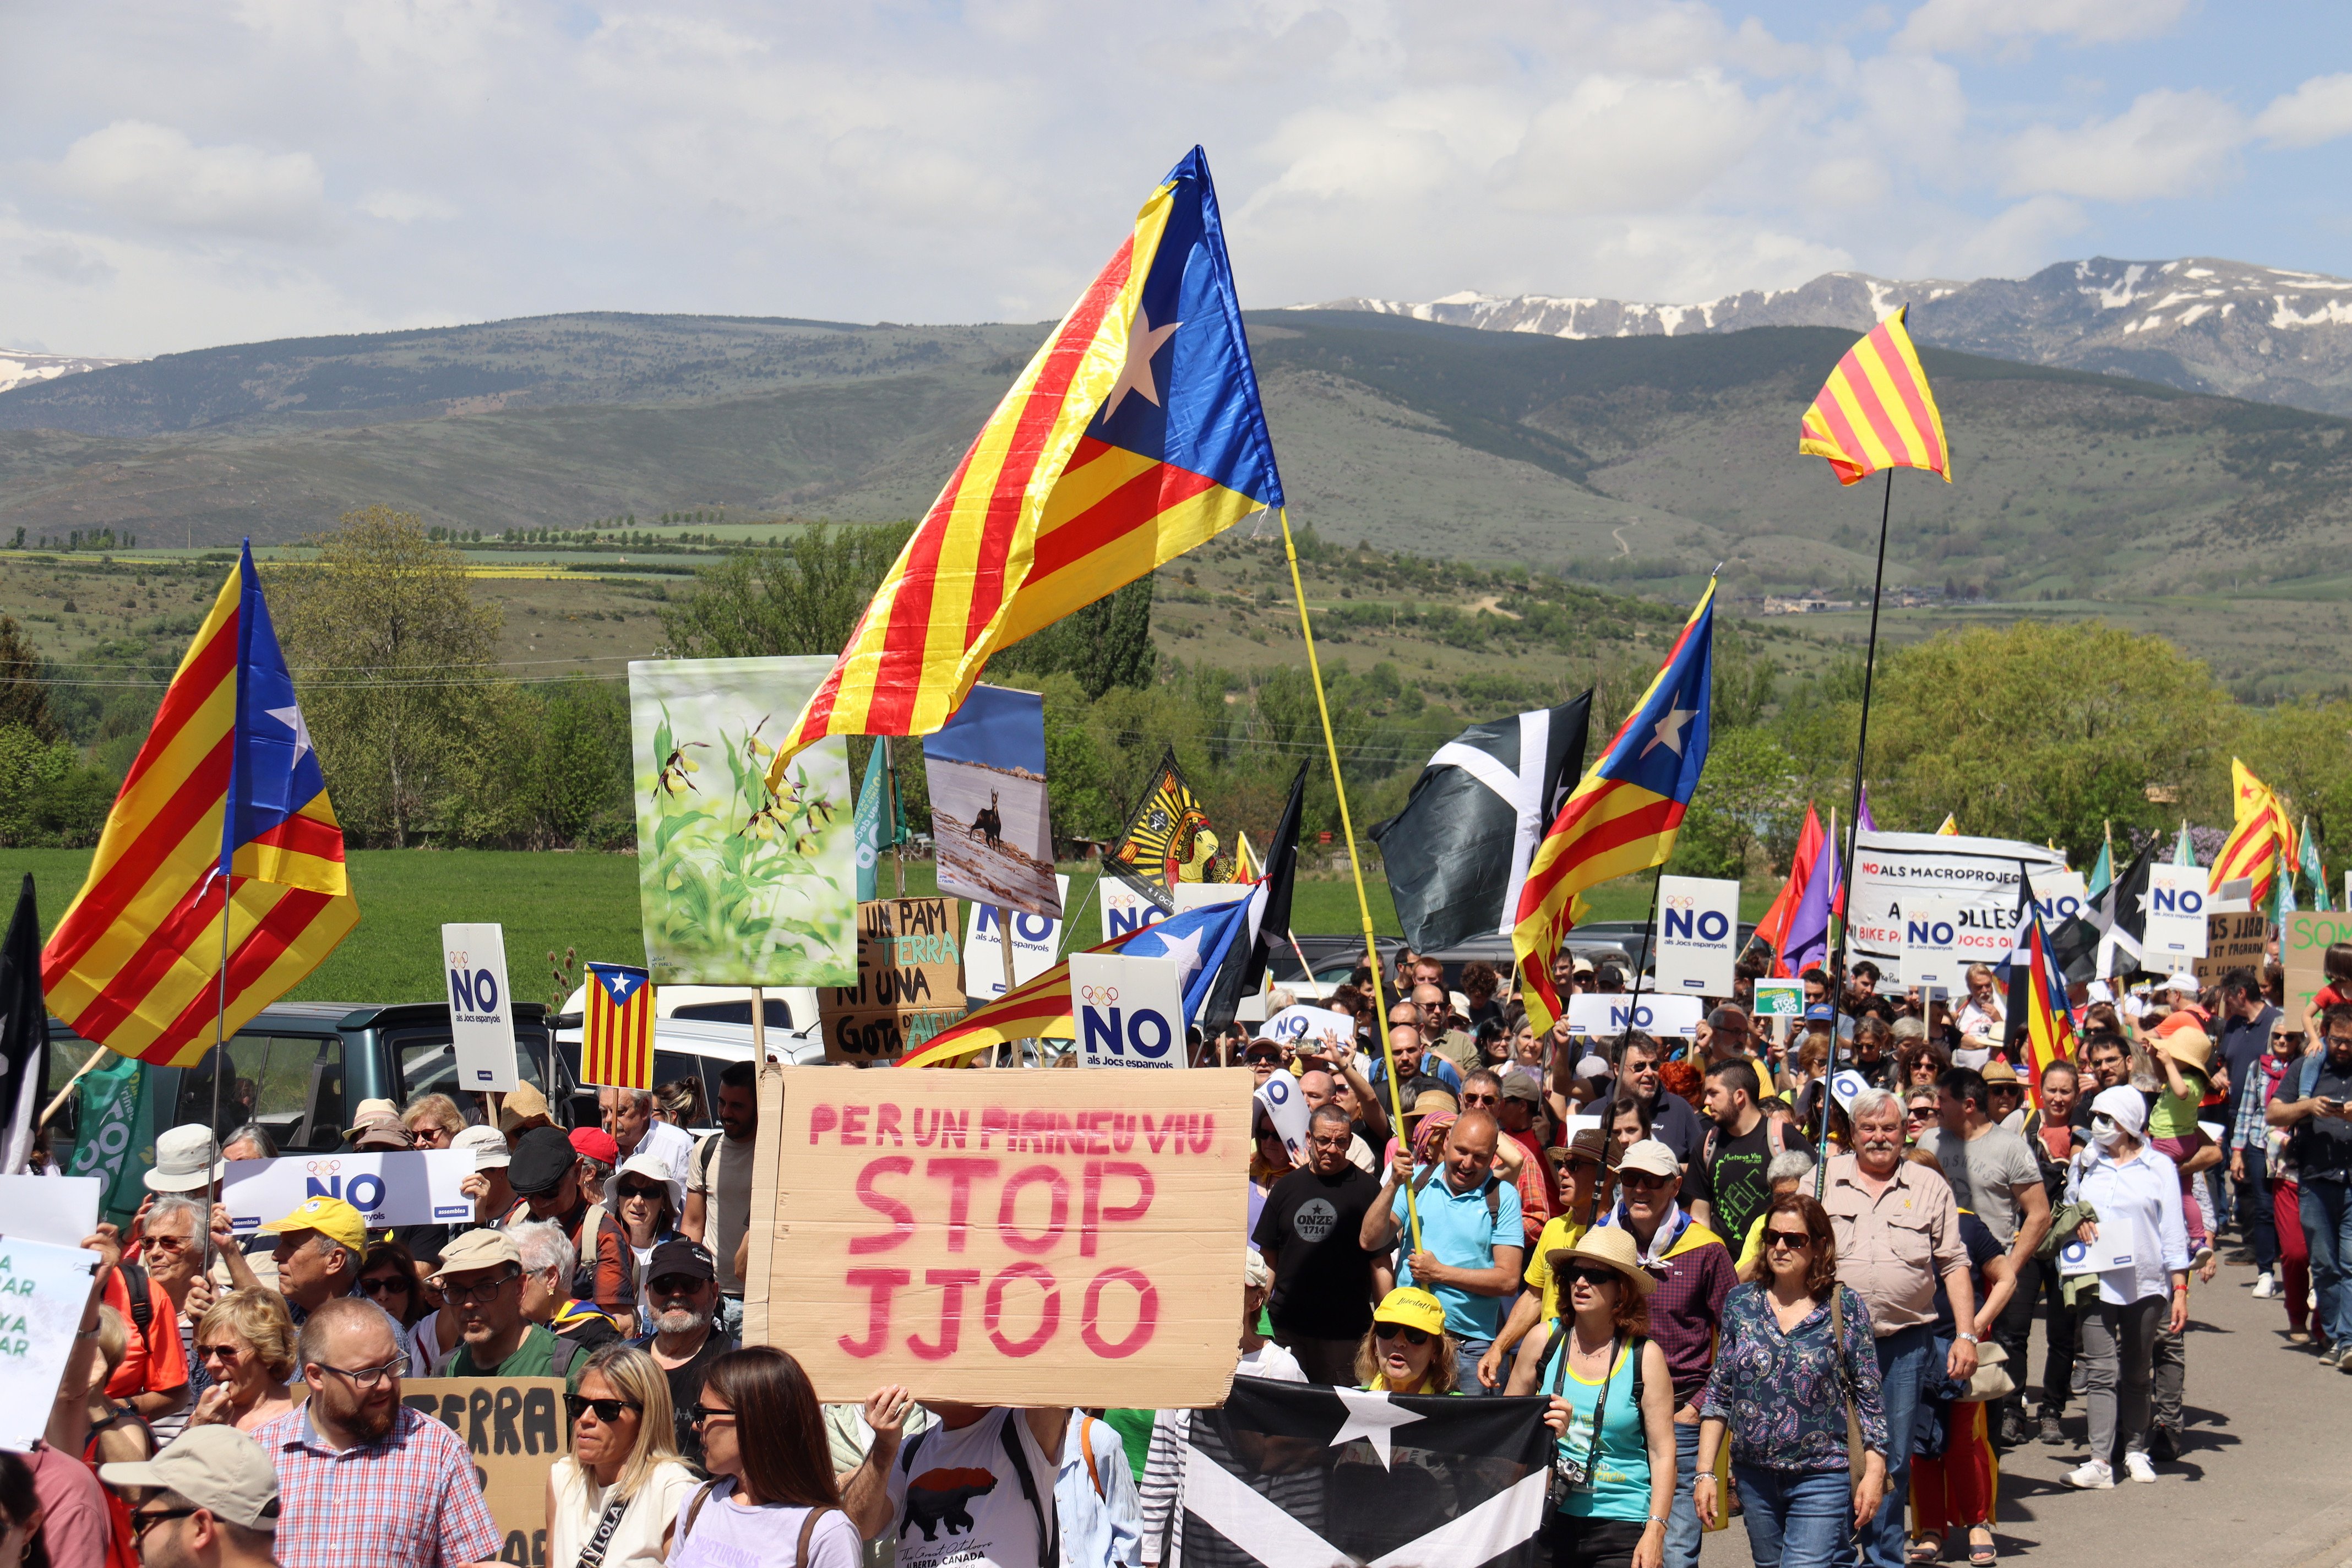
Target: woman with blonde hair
[[1407, 1349], [244, 1341], [432, 1120], [615, 1497]]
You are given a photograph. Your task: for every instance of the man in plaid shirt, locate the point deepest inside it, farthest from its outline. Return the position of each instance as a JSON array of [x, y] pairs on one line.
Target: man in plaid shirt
[[362, 1478]]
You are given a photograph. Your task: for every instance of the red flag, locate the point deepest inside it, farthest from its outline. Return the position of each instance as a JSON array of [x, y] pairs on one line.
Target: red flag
[[1773, 928]]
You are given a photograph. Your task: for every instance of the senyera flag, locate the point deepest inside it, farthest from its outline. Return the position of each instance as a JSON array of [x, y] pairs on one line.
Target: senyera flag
[[1875, 411], [617, 1029], [224, 804], [1134, 435], [2261, 840], [2041, 1016], [1624, 815]]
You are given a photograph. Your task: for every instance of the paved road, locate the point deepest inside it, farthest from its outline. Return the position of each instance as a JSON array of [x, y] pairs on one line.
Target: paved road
[[2264, 1479]]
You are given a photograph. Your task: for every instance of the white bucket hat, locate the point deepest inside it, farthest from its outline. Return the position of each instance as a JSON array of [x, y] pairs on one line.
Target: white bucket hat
[[186, 1160]]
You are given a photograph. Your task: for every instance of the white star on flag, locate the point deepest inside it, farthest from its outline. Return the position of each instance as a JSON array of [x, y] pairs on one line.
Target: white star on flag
[[1185, 950], [1143, 341], [292, 718], [1371, 1417], [1670, 731]]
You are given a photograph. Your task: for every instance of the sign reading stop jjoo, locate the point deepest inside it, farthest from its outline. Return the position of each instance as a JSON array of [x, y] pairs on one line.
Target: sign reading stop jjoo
[[1007, 1238]]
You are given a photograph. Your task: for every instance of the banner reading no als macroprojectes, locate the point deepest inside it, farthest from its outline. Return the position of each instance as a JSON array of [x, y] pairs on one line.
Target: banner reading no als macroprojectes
[[1979, 880], [1008, 1237]]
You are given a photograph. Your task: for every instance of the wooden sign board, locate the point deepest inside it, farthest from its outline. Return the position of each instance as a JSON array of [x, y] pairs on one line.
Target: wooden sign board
[[2305, 937], [2232, 942], [910, 982], [514, 1428], [1005, 1237]]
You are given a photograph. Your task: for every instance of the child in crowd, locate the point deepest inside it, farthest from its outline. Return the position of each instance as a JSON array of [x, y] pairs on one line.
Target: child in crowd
[[2181, 1056]]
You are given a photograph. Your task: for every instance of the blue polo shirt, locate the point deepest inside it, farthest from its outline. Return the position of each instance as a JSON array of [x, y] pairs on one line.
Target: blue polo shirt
[[1456, 1228]]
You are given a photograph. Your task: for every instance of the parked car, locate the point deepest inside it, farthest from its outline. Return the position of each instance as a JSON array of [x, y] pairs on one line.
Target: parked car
[[687, 1047]]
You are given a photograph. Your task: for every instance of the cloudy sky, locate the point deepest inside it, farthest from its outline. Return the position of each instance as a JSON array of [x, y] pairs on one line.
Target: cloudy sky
[[175, 176]]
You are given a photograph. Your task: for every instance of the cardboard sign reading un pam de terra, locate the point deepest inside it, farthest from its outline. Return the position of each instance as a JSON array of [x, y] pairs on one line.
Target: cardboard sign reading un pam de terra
[[2176, 914], [910, 982], [1698, 923], [389, 1187], [1031, 1238], [481, 1015], [1130, 1012], [514, 1429]]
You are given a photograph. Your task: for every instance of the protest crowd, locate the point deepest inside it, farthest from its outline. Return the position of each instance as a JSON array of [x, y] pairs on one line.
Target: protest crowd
[[1838, 1372]]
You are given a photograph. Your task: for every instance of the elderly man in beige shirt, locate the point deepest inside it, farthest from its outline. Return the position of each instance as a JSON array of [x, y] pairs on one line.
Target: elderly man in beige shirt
[[1898, 1231]]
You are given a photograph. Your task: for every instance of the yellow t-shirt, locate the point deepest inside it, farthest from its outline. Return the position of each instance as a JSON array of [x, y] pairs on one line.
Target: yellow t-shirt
[[1556, 1233]]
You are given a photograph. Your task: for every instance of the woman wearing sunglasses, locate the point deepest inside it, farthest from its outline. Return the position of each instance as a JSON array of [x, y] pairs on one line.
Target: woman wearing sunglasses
[[1796, 1353], [2292, 1283], [776, 1502], [244, 1341], [641, 1199], [614, 1499], [1612, 1407], [1407, 1349]]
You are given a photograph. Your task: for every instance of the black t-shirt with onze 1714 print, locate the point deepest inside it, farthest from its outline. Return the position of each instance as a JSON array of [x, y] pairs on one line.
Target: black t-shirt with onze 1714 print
[[1323, 1278]]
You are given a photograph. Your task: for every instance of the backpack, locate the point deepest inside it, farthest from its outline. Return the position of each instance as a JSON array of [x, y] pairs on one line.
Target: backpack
[[559, 1364], [1559, 1333], [1049, 1546], [706, 1155], [1776, 1138], [143, 1305]]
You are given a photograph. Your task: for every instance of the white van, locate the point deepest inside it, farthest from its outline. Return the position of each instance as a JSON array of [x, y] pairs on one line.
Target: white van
[[699, 1030]]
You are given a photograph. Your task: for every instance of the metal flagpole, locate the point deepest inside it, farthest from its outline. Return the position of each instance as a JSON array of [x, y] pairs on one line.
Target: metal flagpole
[[1845, 866], [1355, 866]]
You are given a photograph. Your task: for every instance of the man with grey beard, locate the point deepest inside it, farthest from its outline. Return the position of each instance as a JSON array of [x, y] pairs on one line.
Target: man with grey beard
[[683, 1290]]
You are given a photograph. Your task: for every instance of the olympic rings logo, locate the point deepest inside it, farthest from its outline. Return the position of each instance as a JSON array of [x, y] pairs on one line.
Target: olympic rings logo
[[323, 1167], [1098, 995]]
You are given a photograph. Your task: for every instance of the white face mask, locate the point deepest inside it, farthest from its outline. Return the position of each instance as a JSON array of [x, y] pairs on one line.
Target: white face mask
[[2106, 1134]]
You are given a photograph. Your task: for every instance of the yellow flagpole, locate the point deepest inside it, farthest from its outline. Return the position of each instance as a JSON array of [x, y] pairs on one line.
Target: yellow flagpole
[[1356, 866]]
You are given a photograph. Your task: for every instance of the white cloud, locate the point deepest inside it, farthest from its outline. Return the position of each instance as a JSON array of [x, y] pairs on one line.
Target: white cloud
[[407, 206], [2168, 144], [2319, 110], [1629, 144], [1973, 25], [156, 174]]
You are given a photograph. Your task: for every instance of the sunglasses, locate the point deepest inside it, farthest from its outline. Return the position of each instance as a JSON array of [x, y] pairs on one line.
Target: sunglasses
[[639, 1190], [702, 1414], [675, 1285], [1394, 1330], [1794, 1240], [1482, 1099], [1644, 1181], [385, 1285], [1592, 1275], [145, 1520], [607, 1410], [226, 1354]]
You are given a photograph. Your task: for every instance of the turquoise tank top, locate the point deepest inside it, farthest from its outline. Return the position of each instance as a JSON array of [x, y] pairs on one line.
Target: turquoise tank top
[[1619, 1487]]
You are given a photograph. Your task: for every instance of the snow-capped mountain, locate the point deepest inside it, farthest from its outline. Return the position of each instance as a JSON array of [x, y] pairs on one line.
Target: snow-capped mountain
[[21, 367], [2200, 323]]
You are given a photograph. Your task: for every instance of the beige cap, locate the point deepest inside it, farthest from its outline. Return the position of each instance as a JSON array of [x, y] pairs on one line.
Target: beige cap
[[488, 1144], [186, 1159], [476, 1250], [214, 1468], [1651, 1155], [372, 1111]]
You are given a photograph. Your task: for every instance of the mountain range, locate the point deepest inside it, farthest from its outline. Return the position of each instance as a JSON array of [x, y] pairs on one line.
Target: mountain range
[[22, 367], [2197, 323]]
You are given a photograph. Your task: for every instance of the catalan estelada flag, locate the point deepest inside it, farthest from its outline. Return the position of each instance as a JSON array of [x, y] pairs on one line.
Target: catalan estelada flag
[[225, 805], [616, 1033], [1624, 815], [2259, 842], [1134, 435], [1875, 412]]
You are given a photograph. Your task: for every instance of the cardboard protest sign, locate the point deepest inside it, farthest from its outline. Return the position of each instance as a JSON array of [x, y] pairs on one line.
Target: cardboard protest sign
[[2305, 937], [2233, 942], [481, 1014], [1698, 921], [1129, 1011], [1124, 907], [1286, 1108], [910, 982], [1036, 947], [389, 1187], [59, 1210], [739, 884], [1931, 950], [514, 1428], [1000, 1237], [2176, 916], [989, 817], [1594, 1016], [43, 1289], [1980, 878]]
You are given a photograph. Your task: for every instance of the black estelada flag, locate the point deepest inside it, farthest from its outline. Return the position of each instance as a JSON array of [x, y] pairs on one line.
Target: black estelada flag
[[1458, 852], [1294, 1475], [1269, 916], [24, 1031]]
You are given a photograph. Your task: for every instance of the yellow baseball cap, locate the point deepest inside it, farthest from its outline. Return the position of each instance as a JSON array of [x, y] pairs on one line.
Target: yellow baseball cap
[[330, 1218], [1413, 1309]]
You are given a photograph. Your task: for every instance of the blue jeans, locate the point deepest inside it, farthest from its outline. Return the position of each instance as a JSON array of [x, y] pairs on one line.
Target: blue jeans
[[1902, 1366], [2255, 1210], [1465, 1367], [2328, 1226], [1684, 1532], [1796, 1519], [730, 1316]]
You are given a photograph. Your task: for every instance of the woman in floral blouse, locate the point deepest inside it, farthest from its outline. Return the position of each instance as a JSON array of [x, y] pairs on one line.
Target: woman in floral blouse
[[1795, 1348]]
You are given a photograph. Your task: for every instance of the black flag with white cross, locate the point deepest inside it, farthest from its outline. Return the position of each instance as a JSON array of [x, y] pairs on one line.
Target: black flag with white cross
[[1294, 1475], [1458, 852]]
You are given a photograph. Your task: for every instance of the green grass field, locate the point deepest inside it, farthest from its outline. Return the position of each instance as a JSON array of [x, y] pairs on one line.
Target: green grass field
[[589, 903]]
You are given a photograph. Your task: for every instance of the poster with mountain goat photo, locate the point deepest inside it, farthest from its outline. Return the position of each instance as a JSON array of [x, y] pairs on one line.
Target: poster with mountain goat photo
[[739, 884], [987, 772]]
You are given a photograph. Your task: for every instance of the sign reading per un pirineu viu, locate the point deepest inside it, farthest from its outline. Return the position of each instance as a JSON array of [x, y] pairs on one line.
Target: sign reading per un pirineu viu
[[1025, 1238]]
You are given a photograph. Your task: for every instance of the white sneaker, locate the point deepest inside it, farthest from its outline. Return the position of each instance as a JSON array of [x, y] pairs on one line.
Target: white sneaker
[[2201, 1256], [2093, 1475], [2139, 1466], [2266, 1287]]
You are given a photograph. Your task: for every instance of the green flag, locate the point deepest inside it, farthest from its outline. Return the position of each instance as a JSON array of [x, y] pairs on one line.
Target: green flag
[[868, 820], [117, 1139], [2184, 853], [2313, 870], [2103, 872]]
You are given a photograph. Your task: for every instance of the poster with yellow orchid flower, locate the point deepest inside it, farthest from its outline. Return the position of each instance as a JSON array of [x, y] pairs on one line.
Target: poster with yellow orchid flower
[[740, 884]]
